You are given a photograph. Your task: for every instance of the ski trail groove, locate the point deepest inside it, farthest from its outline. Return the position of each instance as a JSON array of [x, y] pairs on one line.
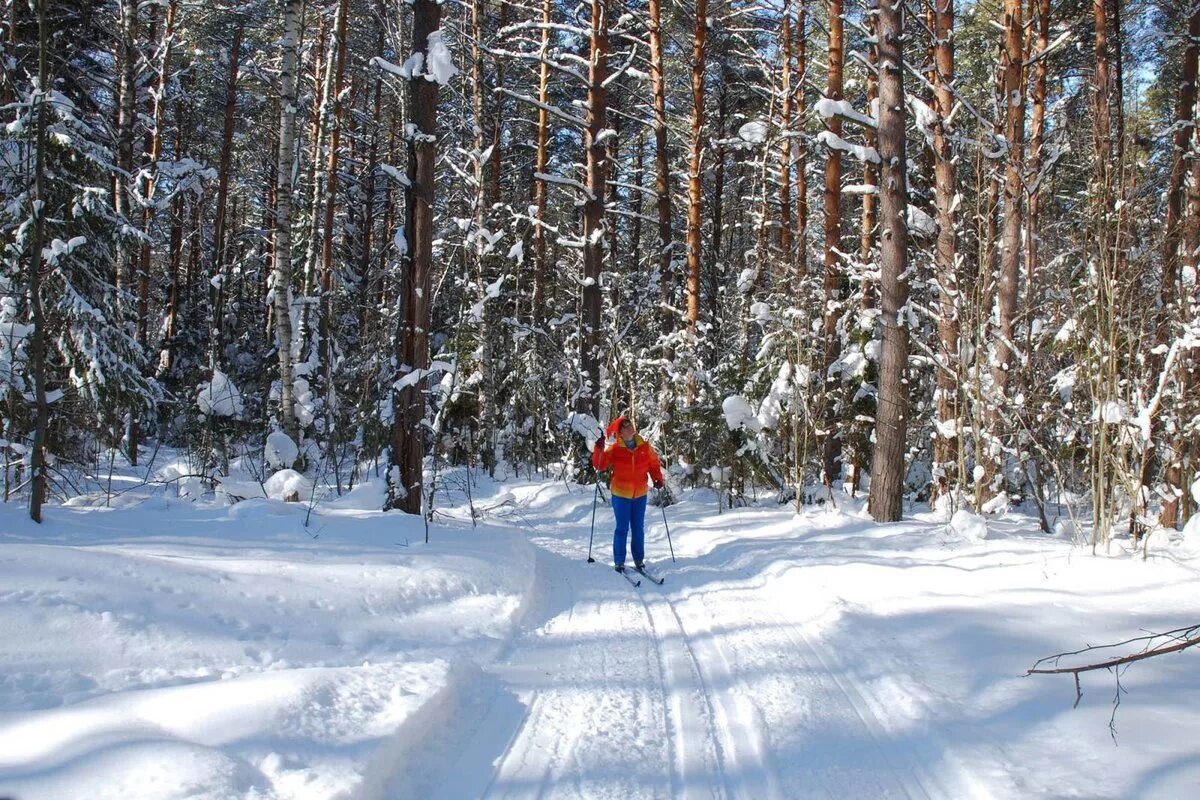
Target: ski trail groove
[[745, 746], [680, 675], [912, 777]]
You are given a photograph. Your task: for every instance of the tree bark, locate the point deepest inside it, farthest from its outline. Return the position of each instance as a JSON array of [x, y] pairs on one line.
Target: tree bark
[[1003, 354], [593, 210], [406, 482], [281, 283], [158, 115], [946, 440], [831, 448], [695, 194], [537, 306], [891, 418], [1169, 305], [37, 337], [216, 332], [802, 162], [331, 189], [126, 119], [166, 358], [785, 154]]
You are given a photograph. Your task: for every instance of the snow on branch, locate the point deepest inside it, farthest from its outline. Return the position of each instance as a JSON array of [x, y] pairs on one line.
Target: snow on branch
[[835, 142], [561, 181], [540, 59], [553, 111], [840, 108]]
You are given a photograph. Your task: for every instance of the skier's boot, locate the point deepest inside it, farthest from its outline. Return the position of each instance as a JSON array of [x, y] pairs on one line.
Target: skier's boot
[[619, 567]]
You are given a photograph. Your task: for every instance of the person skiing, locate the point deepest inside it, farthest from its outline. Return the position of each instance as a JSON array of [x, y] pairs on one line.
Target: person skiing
[[631, 459]]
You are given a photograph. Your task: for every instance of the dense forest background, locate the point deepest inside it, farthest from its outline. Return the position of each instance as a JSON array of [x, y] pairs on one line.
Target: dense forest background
[[933, 250]]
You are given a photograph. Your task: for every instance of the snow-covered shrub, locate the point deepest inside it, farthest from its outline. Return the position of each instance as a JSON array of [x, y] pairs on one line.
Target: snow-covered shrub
[[280, 451], [219, 397]]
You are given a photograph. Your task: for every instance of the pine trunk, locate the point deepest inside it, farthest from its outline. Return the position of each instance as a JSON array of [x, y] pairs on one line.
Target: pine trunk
[[695, 194], [538, 301], [831, 449], [38, 481], [785, 154], [946, 440], [1003, 355], [406, 483], [1170, 298], [593, 210], [891, 418]]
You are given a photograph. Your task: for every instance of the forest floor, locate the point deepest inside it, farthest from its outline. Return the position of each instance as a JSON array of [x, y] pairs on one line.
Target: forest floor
[[163, 648]]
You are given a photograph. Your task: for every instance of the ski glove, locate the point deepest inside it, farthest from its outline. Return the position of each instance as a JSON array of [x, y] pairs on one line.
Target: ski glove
[[600, 443], [658, 484]]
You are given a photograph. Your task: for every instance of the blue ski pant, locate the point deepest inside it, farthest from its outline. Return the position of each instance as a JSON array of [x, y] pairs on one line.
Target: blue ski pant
[[629, 513]]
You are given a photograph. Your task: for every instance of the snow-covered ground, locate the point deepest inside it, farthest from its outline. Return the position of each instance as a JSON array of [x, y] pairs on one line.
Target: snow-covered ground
[[171, 649]]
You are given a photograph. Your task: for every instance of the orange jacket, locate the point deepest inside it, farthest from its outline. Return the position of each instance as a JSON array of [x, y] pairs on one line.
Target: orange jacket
[[629, 467]]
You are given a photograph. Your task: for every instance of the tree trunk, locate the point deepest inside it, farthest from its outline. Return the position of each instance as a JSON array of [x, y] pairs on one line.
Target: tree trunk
[[662, 202], [216, 333], [1037, 138], [946, 433], [37, 337], [126, 120], [1002, 353], [695, 196], [785, 155], [1169, 291], [369, 201], [537, 305], [158, 115], [166, 358], [802, 164], [281, 283], [331, 189], [891, 418], [593, 210], [406, 482], [831, 441]]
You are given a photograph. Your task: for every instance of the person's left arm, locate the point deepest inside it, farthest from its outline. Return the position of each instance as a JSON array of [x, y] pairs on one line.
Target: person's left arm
[[655, 467]]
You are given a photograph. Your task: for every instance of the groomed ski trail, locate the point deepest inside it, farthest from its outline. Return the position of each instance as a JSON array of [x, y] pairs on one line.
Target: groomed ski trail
[[612, 691]]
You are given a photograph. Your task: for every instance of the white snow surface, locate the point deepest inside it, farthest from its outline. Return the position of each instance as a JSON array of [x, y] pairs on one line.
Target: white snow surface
[[280, 451], [170, 649], [440, 64], [753, 132], [220, 397]]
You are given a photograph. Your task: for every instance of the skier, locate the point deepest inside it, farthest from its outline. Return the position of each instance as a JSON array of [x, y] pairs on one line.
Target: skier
[[631, 459]]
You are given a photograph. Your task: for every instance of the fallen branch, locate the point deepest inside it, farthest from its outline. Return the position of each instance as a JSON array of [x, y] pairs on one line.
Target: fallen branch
[[1176, 640], [1180, 639]]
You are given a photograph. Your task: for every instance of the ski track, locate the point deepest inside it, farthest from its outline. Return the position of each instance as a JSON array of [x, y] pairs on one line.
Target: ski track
[[610, 683]]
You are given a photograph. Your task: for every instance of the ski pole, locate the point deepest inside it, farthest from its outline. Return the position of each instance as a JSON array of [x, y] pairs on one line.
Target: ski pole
[[668, 527], [595, 498]]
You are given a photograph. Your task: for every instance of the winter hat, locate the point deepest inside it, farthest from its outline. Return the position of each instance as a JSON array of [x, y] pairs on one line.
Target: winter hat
[[615, 426]]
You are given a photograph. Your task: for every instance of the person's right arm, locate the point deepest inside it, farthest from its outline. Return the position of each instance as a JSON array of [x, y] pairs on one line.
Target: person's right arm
[[601, 458]]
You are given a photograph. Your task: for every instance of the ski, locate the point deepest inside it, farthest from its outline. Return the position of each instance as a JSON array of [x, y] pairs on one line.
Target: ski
[[653, 578], [625, 574]]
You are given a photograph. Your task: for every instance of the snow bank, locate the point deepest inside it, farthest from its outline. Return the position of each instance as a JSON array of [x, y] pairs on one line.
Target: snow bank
[[971, 527], [235, 654], [288, 485]]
